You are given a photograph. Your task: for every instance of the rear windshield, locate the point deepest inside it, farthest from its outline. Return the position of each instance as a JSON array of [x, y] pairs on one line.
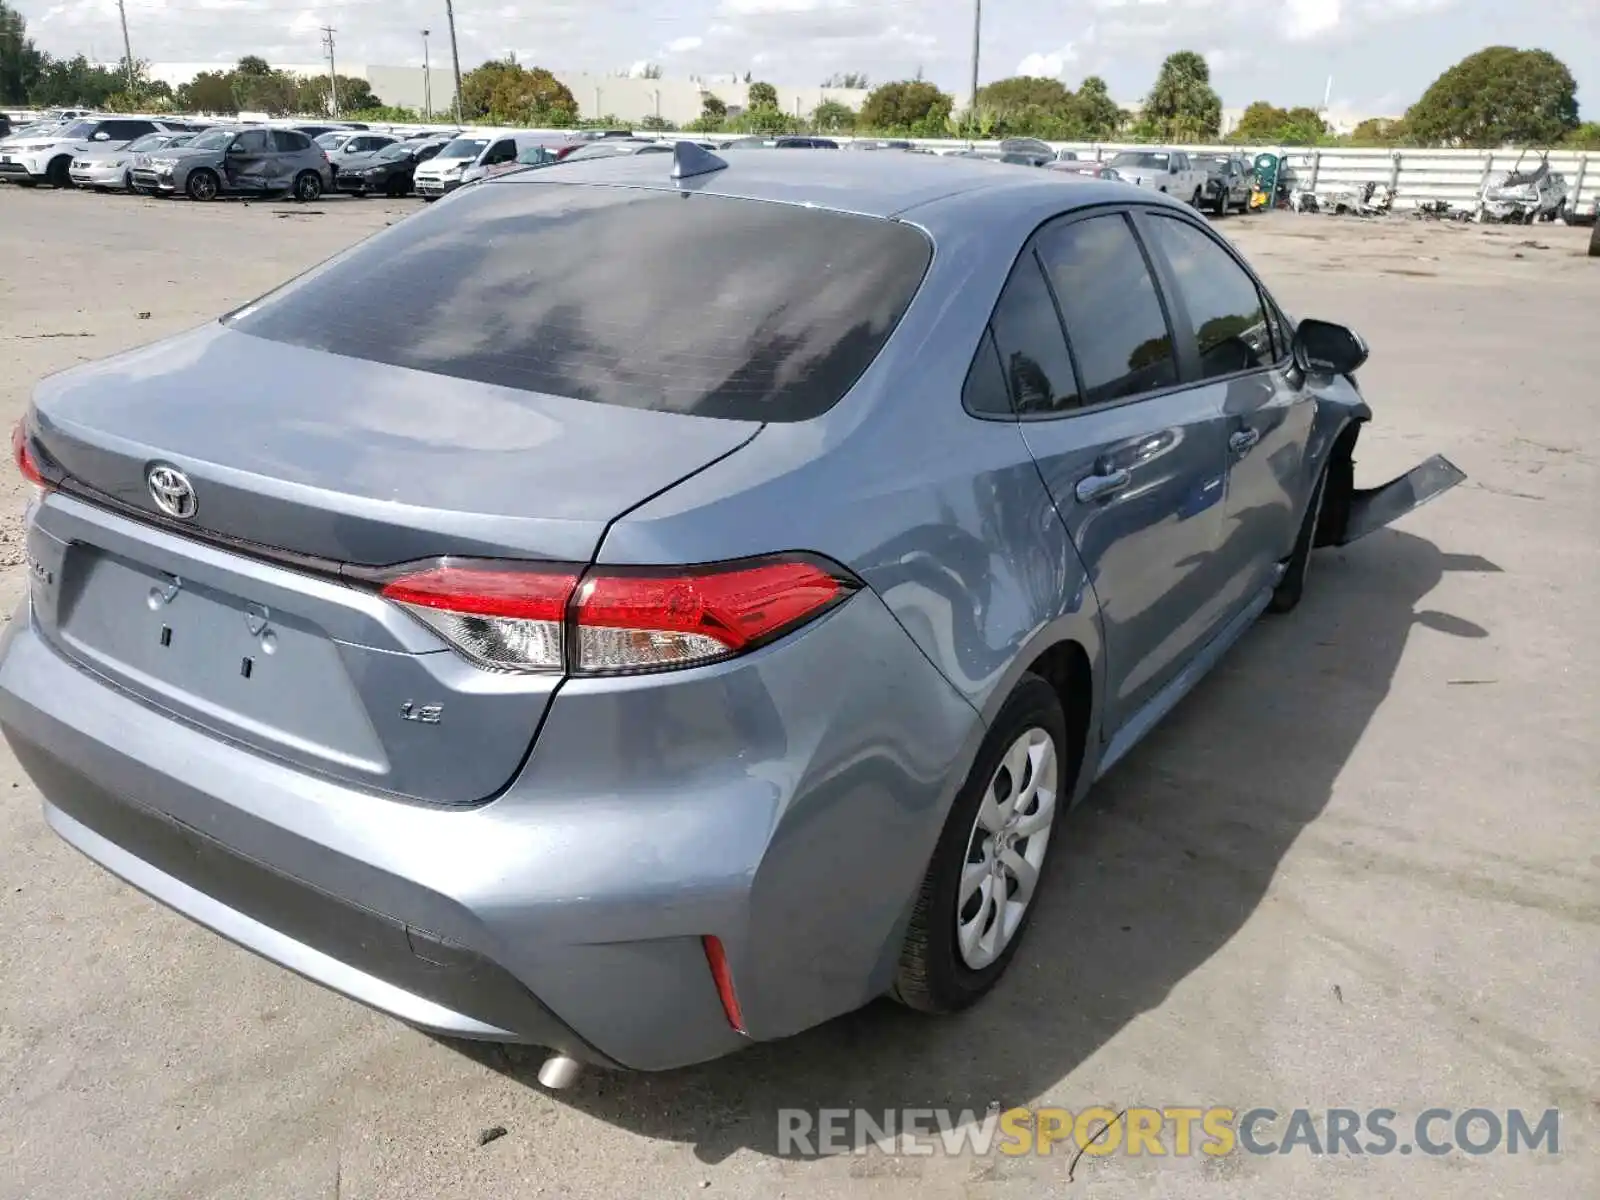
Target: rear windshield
[[648, 299], [1133, 158]]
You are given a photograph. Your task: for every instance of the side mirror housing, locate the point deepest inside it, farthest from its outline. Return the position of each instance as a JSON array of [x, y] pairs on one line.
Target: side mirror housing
[[1324, 349]]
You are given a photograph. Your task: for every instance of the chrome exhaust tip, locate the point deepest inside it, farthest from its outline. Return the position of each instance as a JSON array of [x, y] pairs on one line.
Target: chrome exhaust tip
[[559, 1072]]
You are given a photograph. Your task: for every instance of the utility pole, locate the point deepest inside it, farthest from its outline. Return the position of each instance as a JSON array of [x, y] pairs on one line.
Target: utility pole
[[427, 81], [127, 46], [333, 75], [972, 99], [455, 55]]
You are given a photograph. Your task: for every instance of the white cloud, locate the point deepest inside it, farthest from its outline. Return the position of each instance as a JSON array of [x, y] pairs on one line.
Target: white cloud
[[683, 45], [1049, 65], [1303, 19]]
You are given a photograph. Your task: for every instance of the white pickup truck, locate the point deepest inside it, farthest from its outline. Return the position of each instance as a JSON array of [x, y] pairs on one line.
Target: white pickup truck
[[1169, 171]]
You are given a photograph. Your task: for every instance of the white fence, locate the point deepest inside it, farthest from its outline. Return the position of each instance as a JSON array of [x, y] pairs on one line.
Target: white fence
[[1456, 176]]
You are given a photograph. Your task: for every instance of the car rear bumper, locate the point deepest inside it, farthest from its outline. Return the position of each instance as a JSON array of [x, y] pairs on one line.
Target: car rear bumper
[[569, 912]]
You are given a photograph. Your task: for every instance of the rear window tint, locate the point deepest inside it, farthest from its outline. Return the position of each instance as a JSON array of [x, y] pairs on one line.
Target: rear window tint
[[648, 299]]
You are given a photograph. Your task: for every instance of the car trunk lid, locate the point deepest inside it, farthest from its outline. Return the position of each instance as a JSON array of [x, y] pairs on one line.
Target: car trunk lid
[[245, 617]]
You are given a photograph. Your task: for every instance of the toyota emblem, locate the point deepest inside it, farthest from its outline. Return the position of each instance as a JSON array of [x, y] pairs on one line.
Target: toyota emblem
[[171, 490]]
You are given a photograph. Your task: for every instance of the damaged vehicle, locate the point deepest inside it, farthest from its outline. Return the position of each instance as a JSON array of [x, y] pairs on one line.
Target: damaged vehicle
[[1523, 197], [624, 679]]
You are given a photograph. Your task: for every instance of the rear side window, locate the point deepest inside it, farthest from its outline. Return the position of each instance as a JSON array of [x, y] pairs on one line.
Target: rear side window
[[647, 299], [126, 131], [254, 141], [289, 142], [984, 393], [1230, 325], [1033, 354], [1114, 318]]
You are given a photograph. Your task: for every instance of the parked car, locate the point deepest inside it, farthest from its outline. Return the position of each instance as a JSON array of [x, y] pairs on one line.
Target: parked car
[[617, 148], [1085, 169], [47, 157], [750, 143], [385, 172], [881, 144], [792, 142], [1230, 178], [1018, 158], [509, 152], [230, 161], [1523, 197], [1067, 156], [112, 170], [1032, 151], [316, 131], [140, 161], [5, 126], [556, 636], [1166, 171], [442, 173], [341, 148]]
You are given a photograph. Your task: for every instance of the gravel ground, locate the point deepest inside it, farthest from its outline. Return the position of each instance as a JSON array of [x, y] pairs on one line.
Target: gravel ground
[[1356, 868]]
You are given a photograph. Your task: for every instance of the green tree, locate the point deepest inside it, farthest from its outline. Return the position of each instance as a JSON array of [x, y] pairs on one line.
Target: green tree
[[209, 92], [913, 107], [654, 122], [832, 117], [1302, 127], [1098, 113], [1026, 106], [75, 81], [386, 112], [1584, 137], [853, 80], [1497, 96], [763, 95], [1260, 123], [763, 118], [1379, 131], [713, 114], [509, 94], [354, 95], [20, 61], [251, 64], [277, 93], [1182, 106]]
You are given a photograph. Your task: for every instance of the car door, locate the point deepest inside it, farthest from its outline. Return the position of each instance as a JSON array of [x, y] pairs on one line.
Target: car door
[[245, 166], [1268, 418], [503, 151], [1133, 460], [289, 148]]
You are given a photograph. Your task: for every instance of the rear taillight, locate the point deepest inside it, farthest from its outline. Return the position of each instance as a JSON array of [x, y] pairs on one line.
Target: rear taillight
[[23, 456], [614, 620]]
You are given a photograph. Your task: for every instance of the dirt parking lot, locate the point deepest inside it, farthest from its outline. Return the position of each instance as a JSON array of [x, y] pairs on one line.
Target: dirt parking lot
[[1357, 868]]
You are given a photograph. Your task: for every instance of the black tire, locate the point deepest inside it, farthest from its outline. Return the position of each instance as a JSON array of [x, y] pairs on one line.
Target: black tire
[[127, 181], [56, 174], [308, 187], [1197, 201], [931, 976], [1594, 241], [202, 185], [1293, 584]]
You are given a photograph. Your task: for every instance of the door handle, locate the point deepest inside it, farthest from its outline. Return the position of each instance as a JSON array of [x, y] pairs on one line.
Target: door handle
[[1243, 440], [1098, 487]]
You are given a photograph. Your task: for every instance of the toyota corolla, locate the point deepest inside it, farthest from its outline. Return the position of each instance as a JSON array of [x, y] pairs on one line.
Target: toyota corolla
[[666, 602]]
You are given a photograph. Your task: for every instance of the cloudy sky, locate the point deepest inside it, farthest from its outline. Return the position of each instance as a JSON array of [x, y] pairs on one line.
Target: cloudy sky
[[1380, 53]]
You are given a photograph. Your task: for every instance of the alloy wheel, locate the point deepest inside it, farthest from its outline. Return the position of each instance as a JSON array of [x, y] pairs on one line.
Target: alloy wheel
[[1006, 849]]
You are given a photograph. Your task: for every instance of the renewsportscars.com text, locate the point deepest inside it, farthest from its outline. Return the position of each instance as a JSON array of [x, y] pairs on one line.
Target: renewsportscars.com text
[[1176, 1130]]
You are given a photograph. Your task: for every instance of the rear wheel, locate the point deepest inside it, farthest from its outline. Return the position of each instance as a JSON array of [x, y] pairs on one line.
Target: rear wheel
[[202, 185], [982, 882], [308, 187], [1197, 201]]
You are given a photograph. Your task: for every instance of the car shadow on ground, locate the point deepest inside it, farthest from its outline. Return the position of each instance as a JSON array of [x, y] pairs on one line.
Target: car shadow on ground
[[1156, 872]]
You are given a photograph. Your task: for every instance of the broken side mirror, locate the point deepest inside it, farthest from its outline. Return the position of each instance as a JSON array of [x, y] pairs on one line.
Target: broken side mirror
[[1324, 349]]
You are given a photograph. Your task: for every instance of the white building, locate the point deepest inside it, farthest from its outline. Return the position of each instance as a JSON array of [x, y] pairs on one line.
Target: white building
[[630, 100]]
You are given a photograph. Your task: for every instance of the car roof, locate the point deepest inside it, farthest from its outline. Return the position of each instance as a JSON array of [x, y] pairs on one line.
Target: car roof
[[869, 184]]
